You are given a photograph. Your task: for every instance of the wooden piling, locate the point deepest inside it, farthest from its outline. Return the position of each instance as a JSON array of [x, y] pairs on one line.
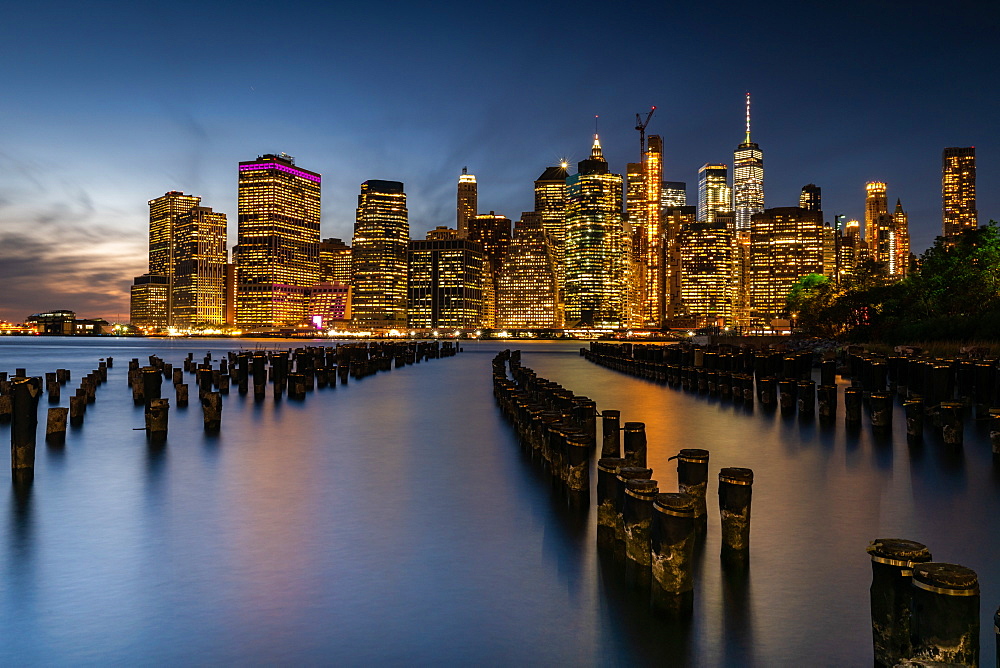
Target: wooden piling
[[786, 396], [692, 479], [578, 448], [637, 514], [24, 423], [880, 407], [611, 444], [892, 570], [634, 443], [914, 410], [806, 397], [77, 409], [735, 492], [852, 406], [672, 538], [625, 473], [952, 429], [827, 398], [6, 408], [181, 394], [156, 414], [211, 404], [607, 481], [945, 624], [55, 425]]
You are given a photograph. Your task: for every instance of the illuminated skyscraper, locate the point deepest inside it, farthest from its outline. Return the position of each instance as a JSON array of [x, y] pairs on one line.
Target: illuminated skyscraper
[[786, 244], [811, 198], [878, 222], [445, 284], [379, 256], [550, 204], [148, 302], [334, 262], [958, 190], [597, 251], [277, 255], [748, 178], [442, 233], [468, 201], [493, 232], [200, 258], [652, 259], [529, 292], [899, 243], [708, 272], [163, 215], [674, 218], [674, 193], [714, 194]]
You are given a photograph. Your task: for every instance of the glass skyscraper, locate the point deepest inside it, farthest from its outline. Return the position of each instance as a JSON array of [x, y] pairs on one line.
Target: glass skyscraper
[[379, 256], [748, 179], [958, 190], [277, 253], [714, 195]]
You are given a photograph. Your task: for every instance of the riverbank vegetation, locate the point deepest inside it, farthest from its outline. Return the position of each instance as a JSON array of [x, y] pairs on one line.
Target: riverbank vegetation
[[952, 293]]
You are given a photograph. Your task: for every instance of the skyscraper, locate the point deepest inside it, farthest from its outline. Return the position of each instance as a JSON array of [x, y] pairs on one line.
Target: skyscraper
[[198, 294], [492, 231], [597, 252], [334, 262], [164, 213], [468, 201], [899, 243], [445, 284], [379, 256], [958, 190], [786, 244], [149, 301], [674, 218], [878, 222], [714, 194], [550, 204], [529, 292], [674, 193], [748, 178], [277, 254], [811, 197], [708, 272]]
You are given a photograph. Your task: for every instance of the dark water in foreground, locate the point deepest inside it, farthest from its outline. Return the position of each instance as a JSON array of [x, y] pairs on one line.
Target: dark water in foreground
[[395, 520]]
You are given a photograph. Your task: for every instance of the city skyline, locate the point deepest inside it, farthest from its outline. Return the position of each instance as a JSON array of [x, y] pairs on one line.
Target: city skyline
[[93, 131]]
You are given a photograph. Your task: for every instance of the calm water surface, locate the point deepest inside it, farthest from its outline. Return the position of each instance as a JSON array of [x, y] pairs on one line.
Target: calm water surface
[[395, 520]]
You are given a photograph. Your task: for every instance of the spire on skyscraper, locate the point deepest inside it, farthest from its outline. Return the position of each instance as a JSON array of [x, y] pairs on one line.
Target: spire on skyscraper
[[596, 153], [748, 118]]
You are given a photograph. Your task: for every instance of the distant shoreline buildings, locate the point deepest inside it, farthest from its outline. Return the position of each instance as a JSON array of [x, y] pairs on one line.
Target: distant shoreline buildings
[[599, 251]]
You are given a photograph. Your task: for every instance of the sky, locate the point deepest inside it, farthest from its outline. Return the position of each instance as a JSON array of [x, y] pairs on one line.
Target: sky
[[107, 105]]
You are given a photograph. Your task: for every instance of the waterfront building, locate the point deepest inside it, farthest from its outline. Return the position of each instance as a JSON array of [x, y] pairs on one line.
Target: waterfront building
[[748, 178], [811, 198], [673, 193], [958, 190], [878, 222], [445, 284], [899, 243], [379, 257], [550, 204], [149, 302], [528, 289], [786, 243], [708, 271], [467, 201], [198, 291], [674, 218], [714, 194], [164, 212], [652, 260], [334, 261], [277, 252], [492, 231], [329, 305], [597, 248]]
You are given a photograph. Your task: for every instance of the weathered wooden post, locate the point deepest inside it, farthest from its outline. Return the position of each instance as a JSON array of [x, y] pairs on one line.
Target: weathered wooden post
[[625, 473], [672, 537], [55, 425], [994, 435], [607, 484], [914, 410], [578, 448], [151, 380], [880, 405], [892, 568], [637, 514], [735, 491], [24, 423], [211, 405], [827, 397], [852, 406], [88, 384], [156, 414], [692, 479], [786, 396], [768, 392], [6, 407], [828, 372], [611, 445], [181, 394], [259, 376], [54, 390], [77, 409], [177, 376], [807, 398], [634, 443], [945, 624], [952, 429]]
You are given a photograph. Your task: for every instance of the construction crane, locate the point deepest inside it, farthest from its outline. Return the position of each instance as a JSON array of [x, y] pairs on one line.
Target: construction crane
[[640, 125]]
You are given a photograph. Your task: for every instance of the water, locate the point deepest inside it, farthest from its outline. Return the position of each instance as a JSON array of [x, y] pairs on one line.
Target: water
[[395, 520]]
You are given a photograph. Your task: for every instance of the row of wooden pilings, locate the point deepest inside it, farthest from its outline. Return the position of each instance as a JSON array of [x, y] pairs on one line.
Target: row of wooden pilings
[[19, 399], [293, 371], [937, 395], [651, 534]]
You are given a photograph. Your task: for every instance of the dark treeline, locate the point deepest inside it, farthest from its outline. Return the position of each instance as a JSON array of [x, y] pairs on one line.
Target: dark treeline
[[951, 293]]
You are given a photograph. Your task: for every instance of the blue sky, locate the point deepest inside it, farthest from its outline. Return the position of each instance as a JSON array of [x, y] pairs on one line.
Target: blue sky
[[109, 104]]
